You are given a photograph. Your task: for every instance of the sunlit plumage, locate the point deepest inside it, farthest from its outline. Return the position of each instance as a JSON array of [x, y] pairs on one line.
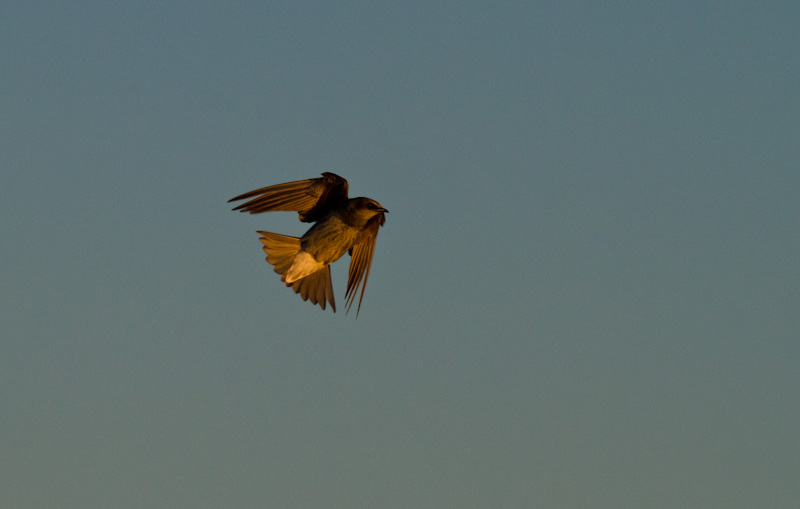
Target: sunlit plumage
[[341, 225]]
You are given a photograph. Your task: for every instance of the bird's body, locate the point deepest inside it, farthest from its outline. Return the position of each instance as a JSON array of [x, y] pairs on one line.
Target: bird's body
[[341, 225], [330, 238]]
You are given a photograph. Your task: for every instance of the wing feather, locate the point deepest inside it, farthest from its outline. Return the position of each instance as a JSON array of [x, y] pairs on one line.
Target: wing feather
[[361, 261], [310, 198]]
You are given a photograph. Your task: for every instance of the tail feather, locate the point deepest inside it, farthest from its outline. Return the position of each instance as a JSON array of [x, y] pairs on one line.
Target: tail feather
[[316, 287], [281, 250]]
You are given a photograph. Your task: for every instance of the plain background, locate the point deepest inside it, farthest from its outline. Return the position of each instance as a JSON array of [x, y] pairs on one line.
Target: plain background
[[586, 293]]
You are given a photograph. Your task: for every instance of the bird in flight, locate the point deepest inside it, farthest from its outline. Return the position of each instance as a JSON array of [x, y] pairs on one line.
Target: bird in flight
[[341, 225]]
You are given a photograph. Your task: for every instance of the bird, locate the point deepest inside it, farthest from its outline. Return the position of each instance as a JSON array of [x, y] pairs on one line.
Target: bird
[[341, 225]]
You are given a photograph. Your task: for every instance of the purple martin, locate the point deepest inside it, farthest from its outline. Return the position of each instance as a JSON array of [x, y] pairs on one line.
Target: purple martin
[[341, 225]]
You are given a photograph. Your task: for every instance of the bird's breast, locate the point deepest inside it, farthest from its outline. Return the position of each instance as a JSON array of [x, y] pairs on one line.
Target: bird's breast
[[329, 239]]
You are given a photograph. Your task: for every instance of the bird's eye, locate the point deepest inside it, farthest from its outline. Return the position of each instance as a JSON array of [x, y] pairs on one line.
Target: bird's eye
[[371, 206]]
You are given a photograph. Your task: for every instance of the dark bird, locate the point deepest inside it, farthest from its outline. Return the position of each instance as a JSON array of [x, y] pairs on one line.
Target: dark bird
[[341, 225]]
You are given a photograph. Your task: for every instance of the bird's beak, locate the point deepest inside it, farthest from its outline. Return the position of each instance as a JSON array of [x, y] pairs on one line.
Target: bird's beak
[[384, 210]]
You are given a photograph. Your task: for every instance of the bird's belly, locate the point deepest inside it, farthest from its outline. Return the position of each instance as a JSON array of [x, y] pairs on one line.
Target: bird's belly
[[329, 240]]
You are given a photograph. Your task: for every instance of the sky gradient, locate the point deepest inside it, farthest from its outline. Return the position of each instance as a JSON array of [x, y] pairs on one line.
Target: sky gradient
[[586, 292]]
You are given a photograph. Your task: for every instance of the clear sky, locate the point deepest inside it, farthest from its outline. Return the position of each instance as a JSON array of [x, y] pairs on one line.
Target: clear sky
[[586, 294]]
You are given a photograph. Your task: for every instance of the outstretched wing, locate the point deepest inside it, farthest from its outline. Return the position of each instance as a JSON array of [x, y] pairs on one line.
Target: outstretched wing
[[361, 260], [310, 198]]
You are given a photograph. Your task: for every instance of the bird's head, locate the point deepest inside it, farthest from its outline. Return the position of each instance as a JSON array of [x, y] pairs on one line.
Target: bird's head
[[364, 209]]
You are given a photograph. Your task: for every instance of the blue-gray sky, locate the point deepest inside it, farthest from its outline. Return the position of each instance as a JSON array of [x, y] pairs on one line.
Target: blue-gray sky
[[586, 293]]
